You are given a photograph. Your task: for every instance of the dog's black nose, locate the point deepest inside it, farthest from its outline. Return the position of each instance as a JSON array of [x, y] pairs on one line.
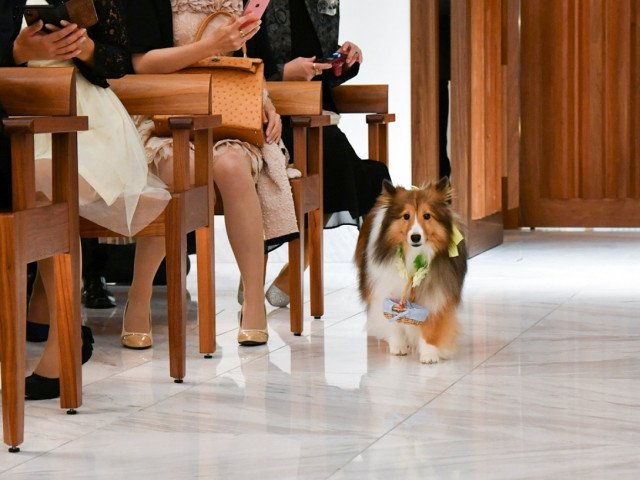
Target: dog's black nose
[[415, 238]]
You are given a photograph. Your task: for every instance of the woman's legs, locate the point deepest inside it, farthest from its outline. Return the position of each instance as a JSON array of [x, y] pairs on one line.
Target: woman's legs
[[149, 254], [243, 219], [43, 301]]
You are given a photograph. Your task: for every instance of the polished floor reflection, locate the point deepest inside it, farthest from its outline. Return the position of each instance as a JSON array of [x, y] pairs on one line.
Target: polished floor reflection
[[546, 383]]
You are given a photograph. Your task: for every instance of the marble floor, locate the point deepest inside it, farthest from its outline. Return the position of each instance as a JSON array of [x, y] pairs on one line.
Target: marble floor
[[545, 385]]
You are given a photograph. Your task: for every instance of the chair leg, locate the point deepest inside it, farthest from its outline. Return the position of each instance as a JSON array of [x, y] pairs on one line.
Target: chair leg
[[69, 322], [315, 264], [205, 254], [13, 315], [296, 264], [176, 248]]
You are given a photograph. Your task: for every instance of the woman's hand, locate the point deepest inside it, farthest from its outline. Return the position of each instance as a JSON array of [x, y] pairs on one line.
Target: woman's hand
[[273, 121], [62, 44], [303, 68], [231, 37], [87, 47], [354, 54]]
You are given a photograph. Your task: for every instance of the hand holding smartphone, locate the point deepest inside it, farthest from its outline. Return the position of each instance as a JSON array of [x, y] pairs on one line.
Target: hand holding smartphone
[[253, 10], [337, 62]]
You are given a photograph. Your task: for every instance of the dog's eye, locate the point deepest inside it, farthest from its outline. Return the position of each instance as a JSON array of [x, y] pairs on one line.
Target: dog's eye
[[426, 216], [406, 216]]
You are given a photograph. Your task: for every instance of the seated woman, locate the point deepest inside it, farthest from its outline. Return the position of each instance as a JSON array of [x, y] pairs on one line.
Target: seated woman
[[162, 41], [294, 35], [116, 189]]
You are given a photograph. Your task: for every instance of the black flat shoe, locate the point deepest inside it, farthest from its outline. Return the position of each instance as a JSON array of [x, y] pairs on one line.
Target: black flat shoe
[[37, 387], [87, 344], [95, 294], [37, 332]]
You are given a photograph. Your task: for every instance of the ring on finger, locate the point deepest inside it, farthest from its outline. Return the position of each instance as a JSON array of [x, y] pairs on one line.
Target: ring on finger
[[316, 70], [241, 33]]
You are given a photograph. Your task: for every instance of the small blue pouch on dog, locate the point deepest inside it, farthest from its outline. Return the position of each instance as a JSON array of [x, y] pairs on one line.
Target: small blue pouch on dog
[[407, 312]]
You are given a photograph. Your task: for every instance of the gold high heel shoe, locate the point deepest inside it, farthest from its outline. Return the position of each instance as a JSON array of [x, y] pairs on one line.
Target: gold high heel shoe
[[251, 337], [136, 341]]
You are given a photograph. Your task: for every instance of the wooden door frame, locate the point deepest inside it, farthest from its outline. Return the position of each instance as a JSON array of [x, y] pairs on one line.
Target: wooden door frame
[[485, 232]]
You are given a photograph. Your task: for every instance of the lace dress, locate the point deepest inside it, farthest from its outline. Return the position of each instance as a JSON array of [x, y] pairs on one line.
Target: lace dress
[[268, 164], [116, 189]]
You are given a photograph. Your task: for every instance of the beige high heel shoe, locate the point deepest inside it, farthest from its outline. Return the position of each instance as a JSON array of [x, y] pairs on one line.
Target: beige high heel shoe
[[251, 337], [135, 340]]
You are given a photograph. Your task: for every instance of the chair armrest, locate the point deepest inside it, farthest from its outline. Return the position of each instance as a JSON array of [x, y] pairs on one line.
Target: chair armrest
[[296, 98], [164, 94], [62, 124], [38, 91], [196, 122], [381, 118], [361, 98], [310, 121]]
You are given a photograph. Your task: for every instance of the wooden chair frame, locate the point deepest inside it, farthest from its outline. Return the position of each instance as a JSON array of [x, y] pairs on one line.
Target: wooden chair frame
[[302, 101], [186, 99], [372, 100], [32, 231]]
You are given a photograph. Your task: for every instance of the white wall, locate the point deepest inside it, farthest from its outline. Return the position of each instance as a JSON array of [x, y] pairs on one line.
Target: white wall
[[382, 30]]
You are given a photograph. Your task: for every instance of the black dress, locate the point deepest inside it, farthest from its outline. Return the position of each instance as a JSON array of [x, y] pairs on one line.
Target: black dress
[[351, 185]]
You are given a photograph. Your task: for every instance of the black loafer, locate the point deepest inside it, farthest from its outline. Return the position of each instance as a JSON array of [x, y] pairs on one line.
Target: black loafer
[[37, 387], [96, 295]]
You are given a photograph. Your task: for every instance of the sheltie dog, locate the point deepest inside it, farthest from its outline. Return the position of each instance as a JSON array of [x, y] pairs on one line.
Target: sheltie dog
[[412, 261]]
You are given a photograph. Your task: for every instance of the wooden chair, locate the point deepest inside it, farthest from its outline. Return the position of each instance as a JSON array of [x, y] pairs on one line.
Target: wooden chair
[[372, 100], [32, 231], [302, 101], [186, 99]]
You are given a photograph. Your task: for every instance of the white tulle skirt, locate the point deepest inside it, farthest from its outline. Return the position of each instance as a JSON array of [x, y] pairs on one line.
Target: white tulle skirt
[[116, 189]]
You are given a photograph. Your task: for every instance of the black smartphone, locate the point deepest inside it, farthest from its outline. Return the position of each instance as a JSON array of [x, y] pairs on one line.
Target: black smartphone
[[80, 12]]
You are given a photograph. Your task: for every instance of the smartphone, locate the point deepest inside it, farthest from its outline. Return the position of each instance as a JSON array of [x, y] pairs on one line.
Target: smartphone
[[337, 62], [254, 8], [80, 12], [46, 13], [333, 58]]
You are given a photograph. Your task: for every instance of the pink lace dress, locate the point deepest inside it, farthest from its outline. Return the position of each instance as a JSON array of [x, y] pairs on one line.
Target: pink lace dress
[[268, 164]]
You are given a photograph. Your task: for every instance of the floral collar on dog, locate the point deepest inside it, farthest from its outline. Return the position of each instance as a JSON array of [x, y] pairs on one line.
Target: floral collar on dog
[[420, 264]]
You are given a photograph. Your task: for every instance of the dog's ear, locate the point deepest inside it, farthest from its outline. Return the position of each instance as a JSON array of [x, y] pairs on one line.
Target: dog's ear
[[443, 184], [388, 188], [444, 187]]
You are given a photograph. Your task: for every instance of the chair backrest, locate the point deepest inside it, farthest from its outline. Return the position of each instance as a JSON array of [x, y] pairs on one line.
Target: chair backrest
[[164, 94], [361, 98], [296, 98], [22, 91]]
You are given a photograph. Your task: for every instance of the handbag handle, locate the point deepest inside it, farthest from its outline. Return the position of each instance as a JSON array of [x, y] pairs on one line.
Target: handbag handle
[[208, 20]]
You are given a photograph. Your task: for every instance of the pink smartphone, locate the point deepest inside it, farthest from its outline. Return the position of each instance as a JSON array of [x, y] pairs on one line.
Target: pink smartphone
[[255, 9]]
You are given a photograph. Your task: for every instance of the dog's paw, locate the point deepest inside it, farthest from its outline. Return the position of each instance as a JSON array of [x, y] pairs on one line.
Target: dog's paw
[[429, 353], [398, 349]]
